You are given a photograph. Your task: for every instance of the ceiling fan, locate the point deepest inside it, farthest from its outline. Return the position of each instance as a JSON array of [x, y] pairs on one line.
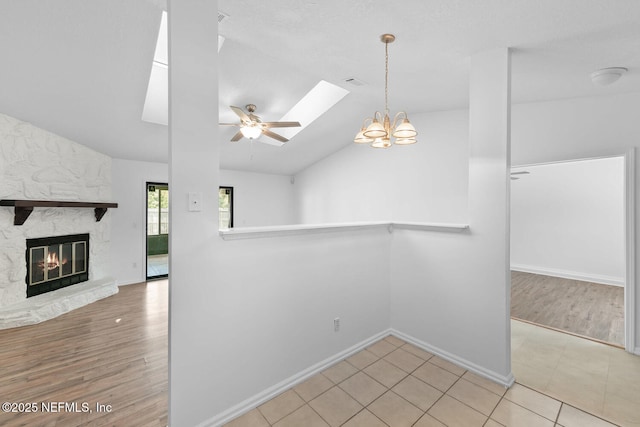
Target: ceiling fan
[[251, 126]]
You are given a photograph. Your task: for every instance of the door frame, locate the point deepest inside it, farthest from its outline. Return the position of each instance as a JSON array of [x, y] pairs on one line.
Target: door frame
[[146, 226], [630, 251]]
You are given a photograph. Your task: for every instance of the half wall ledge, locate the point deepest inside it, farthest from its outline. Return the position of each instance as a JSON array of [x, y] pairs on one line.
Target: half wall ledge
[[292, 230]]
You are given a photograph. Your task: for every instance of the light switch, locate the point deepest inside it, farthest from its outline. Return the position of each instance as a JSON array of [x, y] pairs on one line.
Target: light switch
[[195, 201]]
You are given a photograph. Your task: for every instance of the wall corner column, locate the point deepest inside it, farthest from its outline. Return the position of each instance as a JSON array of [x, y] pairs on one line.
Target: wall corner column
[[193, 235], [489, 187]]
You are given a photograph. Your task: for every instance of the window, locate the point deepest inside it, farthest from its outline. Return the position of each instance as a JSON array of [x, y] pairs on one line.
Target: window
[[225, 207], [157, 209]]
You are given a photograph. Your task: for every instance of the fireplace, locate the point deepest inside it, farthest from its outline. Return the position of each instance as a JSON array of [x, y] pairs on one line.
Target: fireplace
[[56, 262]]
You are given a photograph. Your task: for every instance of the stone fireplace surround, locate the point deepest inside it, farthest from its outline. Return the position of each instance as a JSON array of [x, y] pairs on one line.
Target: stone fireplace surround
[[36, 164]]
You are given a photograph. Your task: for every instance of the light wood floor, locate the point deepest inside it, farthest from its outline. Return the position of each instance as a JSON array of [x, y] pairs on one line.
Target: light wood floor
[[112, 352], [588, 309]]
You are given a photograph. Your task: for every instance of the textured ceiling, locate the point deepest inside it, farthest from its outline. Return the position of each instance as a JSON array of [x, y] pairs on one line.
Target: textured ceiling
[[80, 69]]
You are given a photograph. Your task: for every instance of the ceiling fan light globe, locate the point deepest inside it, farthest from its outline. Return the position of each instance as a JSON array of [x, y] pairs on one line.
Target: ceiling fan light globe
[[251, 132], [405, 130], [375, 130]]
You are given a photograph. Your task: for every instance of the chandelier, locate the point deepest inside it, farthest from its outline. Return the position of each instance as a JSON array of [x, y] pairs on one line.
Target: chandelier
[[380, 129]]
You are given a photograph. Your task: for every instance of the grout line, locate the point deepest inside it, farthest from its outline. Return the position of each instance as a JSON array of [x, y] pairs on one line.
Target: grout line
[[426, 412], [589, 413], [562, 403], [318, 414], [559, 412], [388, 389], [531, 410], [444, 394], [364, 408]]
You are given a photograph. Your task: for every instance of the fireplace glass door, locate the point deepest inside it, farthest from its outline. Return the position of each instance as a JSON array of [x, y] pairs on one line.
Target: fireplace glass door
[[56, 262]]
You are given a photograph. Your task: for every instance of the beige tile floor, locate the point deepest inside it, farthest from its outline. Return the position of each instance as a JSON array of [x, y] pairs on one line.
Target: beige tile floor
[[600, 379], [393, 383]]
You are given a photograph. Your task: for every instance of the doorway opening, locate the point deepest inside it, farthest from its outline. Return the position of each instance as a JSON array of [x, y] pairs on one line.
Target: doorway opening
[[157, 237], [569, 247]]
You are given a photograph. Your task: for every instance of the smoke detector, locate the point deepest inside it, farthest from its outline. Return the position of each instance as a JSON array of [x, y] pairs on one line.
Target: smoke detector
[[606, 76]]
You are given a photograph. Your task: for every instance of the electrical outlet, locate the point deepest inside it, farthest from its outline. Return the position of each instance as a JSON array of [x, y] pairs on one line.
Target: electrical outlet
[[336, 324]]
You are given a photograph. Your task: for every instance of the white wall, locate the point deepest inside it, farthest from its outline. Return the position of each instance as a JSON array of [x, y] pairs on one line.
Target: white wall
[[349, 186], [128, 235], [447, 290], [248, 314], [260, 199], [229, 323], [567, 220], [195, 293], [281, 295], [424, 182], [577, 129], [253, 192], [450, 291]]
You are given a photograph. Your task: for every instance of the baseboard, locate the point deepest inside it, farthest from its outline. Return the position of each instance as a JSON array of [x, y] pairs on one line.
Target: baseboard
[[565, 274], [138, 281], [128, 282], [271, 392], [506, 381], [268, 394]]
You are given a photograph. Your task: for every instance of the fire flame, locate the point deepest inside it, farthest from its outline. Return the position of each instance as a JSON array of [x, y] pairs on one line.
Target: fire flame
[[52, 262]]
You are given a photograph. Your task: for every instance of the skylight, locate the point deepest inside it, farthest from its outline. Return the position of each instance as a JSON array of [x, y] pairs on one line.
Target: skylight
[[156, 104], [314, 104]]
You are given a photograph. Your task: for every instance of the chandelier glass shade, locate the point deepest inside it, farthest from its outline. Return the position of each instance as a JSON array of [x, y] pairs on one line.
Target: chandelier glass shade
[[378, 130]]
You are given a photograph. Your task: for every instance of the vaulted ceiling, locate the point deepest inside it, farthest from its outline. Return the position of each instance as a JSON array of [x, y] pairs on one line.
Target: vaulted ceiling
[[80, 68]]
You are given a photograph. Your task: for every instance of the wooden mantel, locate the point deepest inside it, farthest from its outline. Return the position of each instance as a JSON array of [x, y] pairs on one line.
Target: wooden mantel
[[23, 208]]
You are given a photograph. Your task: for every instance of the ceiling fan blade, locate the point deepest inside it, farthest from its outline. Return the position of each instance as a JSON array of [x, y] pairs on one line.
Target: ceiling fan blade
[[243, 116], [237, 137], [230, 124], [274, 135], [281, 124]]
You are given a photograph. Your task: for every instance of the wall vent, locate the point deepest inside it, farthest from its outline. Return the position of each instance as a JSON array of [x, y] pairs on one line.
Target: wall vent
[[354, 81], [222, 16]]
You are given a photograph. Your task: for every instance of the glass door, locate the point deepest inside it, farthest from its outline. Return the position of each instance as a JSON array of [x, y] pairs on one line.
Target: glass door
[[225, 207], [157, 251]]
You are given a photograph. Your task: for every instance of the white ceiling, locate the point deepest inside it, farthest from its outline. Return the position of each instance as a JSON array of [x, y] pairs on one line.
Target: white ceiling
[[80, 68]]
